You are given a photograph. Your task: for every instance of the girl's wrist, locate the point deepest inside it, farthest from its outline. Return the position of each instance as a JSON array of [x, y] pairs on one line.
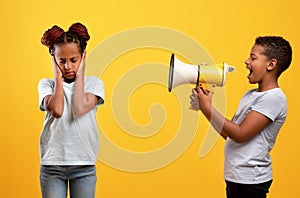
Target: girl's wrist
[[59, 77], [79, 74]]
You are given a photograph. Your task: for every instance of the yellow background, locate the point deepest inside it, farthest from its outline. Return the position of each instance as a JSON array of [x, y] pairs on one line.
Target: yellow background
[[227, 30]]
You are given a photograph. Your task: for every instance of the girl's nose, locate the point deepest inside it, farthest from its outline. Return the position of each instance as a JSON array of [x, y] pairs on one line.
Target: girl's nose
[[67, 66]]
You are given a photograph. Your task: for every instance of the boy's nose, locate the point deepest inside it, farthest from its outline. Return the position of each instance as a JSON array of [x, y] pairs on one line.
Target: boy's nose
[[247, 61]]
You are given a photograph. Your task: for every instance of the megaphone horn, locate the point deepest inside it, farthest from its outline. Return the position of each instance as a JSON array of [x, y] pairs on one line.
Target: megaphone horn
[[182, 73]]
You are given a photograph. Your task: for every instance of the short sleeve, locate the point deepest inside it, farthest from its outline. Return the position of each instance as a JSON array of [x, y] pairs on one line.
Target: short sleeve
[[45, 88], [271, 105], [95, 86]]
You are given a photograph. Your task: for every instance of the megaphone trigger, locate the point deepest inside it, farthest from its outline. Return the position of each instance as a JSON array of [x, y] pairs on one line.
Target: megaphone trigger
[[208, 87]]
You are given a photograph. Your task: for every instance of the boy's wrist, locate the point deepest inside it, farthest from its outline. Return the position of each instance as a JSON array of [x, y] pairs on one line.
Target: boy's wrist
[[206, 109]]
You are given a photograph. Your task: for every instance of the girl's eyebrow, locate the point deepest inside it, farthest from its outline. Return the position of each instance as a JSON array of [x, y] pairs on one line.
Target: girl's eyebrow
[[61, 59]]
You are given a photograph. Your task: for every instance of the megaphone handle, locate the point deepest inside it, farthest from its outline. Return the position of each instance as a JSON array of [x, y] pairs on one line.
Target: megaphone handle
[[209, 87]]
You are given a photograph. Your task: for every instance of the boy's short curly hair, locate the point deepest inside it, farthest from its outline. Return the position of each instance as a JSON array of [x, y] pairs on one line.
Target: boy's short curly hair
[[276, 47]]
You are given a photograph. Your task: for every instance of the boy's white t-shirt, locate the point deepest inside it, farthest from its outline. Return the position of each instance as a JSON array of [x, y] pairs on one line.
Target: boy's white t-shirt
[[70, 140], [250, 162]]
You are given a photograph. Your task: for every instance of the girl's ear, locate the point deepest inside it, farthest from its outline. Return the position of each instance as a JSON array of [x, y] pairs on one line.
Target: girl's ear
[[272, 64], [51, 51]]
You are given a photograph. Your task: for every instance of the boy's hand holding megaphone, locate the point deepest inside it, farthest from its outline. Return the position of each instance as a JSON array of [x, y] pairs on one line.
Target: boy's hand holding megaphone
[[200, 98]]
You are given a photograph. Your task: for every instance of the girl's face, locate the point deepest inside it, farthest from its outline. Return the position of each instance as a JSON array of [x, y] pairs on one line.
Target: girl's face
[[68, 58], [257, 64]]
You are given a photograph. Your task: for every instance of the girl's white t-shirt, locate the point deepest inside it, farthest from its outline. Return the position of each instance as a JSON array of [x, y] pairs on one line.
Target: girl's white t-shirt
[[70, 139]]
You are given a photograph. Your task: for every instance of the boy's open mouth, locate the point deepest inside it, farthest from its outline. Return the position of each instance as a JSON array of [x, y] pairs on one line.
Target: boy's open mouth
[[250, 71]]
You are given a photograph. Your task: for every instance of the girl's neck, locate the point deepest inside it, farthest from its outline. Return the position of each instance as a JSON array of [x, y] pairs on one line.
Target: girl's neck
[[69, 80]]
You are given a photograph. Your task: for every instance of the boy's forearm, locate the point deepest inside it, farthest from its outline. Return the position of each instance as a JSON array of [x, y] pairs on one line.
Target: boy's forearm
[[251, 125], [224, 136], [214, 117], [223, 126]]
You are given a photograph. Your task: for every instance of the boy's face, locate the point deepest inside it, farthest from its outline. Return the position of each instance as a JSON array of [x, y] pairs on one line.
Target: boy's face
[[68, 58], [257, 64]]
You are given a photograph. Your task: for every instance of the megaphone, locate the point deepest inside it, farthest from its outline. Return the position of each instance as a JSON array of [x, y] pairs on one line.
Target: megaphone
[[181, 73]]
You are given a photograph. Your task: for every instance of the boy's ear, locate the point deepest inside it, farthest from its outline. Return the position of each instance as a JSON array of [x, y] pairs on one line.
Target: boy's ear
[[272, 64]]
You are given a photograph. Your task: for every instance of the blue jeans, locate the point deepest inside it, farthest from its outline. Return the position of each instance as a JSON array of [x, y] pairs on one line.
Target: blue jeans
[[56, 179]]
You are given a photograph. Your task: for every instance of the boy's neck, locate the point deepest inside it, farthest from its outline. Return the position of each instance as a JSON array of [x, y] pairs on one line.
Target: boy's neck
[[267, 86]]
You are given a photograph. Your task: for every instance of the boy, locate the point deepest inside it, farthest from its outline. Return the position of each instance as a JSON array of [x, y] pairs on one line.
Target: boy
[[251, 134]]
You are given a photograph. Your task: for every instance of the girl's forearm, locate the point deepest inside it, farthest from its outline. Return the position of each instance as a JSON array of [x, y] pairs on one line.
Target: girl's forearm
[[54, 104], [82, 102]]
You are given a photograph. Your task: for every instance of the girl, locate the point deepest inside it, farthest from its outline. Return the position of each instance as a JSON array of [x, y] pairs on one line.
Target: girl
[[69, 139]]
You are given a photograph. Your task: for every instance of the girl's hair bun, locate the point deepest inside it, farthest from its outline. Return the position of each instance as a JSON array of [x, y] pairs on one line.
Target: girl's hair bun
[[51, 35], [80, 29]]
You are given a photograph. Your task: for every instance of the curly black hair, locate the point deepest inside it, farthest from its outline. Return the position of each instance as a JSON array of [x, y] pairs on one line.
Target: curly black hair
[[276, 47]]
